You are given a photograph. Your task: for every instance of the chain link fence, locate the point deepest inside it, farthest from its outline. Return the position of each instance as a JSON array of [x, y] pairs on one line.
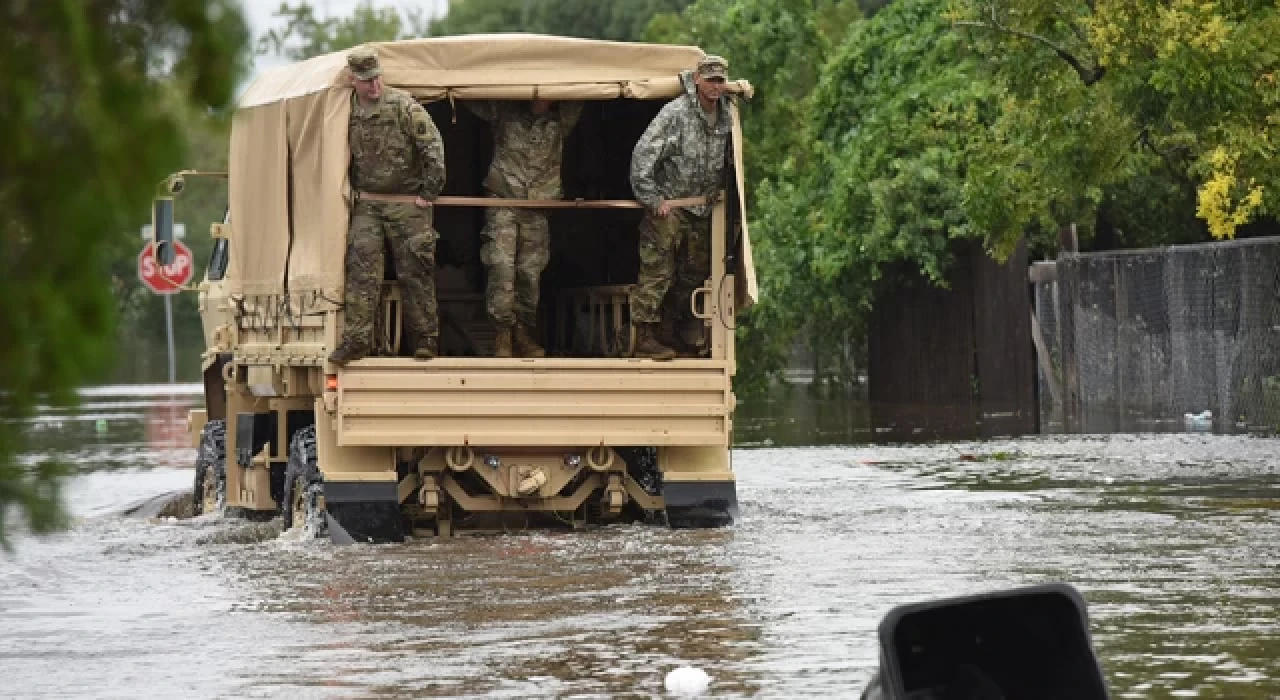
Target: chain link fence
[[1149, 340]]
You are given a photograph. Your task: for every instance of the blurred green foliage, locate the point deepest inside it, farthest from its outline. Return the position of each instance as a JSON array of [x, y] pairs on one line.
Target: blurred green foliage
[[91, 126]]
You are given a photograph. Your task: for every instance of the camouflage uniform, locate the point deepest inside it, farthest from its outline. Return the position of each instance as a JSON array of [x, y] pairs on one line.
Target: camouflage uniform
[[528, 149], [681, 154], [395, 149]]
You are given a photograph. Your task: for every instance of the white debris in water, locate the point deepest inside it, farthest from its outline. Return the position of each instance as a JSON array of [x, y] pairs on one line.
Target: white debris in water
[[687, 682], [1198, 422]]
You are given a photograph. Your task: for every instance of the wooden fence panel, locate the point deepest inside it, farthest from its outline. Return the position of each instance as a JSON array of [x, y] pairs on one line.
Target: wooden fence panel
[[954, 363], [1004, 353]]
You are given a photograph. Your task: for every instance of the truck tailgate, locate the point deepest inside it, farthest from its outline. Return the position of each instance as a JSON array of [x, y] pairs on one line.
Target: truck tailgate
[[516, 402]]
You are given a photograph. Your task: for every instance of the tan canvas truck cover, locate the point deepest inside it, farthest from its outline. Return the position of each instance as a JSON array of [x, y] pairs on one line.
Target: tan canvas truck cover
[[288, 186]]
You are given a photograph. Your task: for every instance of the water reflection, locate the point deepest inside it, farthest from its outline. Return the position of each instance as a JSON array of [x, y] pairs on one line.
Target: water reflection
[[801, 414], [597, 613], [119, 427]]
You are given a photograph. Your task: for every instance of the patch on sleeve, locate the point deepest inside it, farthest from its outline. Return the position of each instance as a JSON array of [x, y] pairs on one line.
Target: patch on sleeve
[[421, 120]]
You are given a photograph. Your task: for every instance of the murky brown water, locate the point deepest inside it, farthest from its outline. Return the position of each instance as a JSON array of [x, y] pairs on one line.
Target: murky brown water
[[1173, 540]]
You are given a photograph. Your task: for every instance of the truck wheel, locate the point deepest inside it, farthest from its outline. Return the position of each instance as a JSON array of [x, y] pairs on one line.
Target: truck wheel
[[303, 502], [210, 492]]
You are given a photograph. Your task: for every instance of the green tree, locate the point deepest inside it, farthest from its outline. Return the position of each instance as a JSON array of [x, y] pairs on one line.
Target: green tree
[[89, 136], [591, 19], [1166, 99], [305, 35], [897, 125]]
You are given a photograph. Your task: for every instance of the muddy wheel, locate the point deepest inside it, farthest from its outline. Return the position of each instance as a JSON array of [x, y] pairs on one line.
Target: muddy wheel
[[210, 492], [303, 501]]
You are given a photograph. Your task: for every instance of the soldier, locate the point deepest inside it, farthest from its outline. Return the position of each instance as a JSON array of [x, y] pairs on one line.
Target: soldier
[[528, 146], [680, 155], [395, 150]]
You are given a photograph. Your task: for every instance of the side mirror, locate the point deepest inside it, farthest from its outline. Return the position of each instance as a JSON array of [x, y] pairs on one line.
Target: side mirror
[[1020, 643], [162, 229]]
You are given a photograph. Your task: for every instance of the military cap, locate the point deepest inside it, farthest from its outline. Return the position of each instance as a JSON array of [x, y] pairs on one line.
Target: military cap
[[713, 67], [363, 63]]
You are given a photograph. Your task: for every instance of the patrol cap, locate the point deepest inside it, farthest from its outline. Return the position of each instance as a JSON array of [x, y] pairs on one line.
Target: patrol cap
[[713, 67], [363, 63]]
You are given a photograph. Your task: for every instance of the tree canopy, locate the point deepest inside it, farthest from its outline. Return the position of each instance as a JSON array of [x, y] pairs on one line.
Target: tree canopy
[[1169, 97], [591, 19], [305, 35], [891, 132], [92, 95]]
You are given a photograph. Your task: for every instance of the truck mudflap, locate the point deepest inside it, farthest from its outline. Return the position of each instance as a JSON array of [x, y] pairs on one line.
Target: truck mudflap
[[700, 504], [362, 511]]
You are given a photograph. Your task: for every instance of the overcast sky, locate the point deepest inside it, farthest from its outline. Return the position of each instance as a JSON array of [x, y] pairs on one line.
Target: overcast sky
[[260, 16]]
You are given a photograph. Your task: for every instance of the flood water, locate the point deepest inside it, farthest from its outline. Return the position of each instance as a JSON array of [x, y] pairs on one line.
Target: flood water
[[1172, 539]]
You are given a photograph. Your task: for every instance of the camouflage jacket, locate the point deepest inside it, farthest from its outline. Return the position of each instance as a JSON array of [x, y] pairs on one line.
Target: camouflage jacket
[[682, 153], [395, 147], [527, 147]]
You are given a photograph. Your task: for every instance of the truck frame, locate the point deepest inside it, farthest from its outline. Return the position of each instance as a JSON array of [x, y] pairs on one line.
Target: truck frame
[[387, 446]]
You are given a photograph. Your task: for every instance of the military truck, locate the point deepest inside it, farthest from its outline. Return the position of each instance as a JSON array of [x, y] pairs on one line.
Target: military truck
[[387, 447]]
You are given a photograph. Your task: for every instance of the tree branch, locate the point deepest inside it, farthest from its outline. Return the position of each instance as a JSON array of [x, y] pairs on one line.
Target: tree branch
[[1173, 158], [1075, 28], [1088, 76]]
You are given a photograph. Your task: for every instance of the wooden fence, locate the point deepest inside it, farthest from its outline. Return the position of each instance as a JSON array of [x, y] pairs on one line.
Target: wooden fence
[[954, 363]]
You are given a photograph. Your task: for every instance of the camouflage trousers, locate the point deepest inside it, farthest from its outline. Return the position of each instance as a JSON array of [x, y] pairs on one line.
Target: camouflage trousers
[[675, 259], [516, 250], [407, 229]]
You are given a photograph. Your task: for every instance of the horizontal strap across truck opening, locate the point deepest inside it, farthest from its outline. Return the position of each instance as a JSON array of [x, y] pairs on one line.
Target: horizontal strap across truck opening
[[506, 203]]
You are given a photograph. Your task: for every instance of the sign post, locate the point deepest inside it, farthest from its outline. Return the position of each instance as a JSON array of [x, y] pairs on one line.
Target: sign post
[[166, 280]]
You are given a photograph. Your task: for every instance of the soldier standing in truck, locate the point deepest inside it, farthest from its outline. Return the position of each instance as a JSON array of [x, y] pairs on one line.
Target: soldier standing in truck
[[396, 150], [528, 147], [681, 154]]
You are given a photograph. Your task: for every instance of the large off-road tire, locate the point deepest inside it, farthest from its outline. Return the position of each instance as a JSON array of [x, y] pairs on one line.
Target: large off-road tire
[[210, 492], [303, 502]]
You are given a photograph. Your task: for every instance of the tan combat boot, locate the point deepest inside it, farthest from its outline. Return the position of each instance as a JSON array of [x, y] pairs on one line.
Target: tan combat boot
[[348, 351], [525, 345], [647, 344], [502, 342], [427, 350]]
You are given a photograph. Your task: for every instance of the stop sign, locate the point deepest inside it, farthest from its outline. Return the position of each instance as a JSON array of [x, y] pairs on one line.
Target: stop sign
[[165, 279]]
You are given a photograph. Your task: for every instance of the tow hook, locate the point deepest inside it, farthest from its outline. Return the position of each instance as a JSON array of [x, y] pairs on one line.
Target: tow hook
[[531, 480]]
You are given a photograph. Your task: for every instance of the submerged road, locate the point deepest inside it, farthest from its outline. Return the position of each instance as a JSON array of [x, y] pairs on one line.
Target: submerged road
[[1172, 539]]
